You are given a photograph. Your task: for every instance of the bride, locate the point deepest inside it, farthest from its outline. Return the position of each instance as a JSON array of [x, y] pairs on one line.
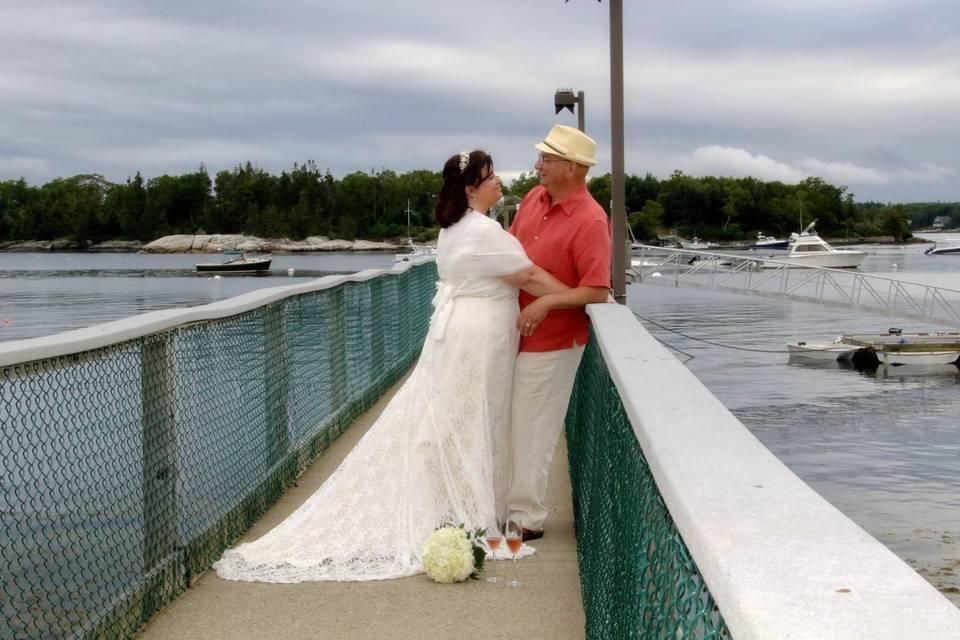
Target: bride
[[437, 453]]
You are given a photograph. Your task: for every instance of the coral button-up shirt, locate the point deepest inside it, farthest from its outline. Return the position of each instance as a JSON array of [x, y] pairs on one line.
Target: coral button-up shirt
[[570, 239]]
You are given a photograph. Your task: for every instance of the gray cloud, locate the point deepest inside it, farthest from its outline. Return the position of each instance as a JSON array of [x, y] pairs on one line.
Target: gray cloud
[[864, 94]]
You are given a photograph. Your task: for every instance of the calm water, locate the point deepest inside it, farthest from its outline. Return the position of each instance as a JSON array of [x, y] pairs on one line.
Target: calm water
[[884, 448], [44, 293]]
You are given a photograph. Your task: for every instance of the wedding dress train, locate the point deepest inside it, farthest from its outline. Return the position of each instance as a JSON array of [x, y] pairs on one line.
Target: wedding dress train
[[438, 452]]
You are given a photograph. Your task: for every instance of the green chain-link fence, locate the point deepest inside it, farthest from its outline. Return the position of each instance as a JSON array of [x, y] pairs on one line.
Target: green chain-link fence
[[637, 577], [128, 469]]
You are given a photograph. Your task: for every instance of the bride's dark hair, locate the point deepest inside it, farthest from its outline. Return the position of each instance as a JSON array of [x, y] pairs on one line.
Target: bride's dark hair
[[452, 201]]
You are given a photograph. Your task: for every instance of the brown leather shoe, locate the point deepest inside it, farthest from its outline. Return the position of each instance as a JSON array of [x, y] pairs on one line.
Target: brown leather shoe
[[531, 534]]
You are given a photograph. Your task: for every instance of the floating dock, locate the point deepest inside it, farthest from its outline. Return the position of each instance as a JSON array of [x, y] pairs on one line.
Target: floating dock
[[894, 348], [897, 348]]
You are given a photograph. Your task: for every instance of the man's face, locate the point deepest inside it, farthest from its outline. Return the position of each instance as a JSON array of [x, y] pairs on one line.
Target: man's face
[[553, 170]]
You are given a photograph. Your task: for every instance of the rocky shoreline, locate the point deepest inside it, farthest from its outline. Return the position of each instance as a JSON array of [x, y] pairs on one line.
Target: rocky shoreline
[[214, 243], [217, 243], [63, 244]]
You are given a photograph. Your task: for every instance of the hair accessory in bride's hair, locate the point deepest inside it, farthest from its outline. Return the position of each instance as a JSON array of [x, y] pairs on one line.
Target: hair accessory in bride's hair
[[464, 160]]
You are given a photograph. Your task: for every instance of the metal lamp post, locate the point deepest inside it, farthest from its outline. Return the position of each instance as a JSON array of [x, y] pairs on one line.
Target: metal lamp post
[[618, 216], [565, 99]]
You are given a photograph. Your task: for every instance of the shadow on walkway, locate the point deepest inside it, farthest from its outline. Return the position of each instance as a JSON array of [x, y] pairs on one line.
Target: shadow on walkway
[[547, 605]]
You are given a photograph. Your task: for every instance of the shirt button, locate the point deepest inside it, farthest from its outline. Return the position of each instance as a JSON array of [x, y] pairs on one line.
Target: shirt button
[[536, 237], [544, 217]]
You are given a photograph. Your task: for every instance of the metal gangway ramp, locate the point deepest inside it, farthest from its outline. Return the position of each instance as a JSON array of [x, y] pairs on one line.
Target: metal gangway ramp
[[765, 276]]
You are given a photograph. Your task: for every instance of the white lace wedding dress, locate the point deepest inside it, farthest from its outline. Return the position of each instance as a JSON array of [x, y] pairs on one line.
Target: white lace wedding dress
[[438, 452]]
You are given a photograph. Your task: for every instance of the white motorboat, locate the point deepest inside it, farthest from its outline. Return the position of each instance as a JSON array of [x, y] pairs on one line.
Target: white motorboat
[[836, 350], [807, 249]]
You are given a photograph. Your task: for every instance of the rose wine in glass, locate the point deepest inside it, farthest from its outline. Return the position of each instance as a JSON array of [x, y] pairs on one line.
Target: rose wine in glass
[[493, 538], [513, 533]]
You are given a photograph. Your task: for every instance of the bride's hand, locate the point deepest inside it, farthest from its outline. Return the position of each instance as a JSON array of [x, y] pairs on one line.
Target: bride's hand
[[531, 316]]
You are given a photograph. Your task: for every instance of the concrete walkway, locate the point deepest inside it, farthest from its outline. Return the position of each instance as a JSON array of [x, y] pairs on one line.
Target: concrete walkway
[[547, 605]]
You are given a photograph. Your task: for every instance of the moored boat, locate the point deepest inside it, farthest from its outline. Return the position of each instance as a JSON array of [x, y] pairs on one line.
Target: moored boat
[[893, 348], [897, 348], [951, 249], [836, 350], [416, 251], [769, 243], [696, 244], [807, 249], [239, 263]]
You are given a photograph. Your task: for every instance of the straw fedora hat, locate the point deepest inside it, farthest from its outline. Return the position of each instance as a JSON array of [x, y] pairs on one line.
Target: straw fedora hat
[[570, 144]]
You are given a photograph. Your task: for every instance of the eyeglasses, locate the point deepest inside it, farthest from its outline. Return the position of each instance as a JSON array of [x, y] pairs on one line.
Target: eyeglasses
[[546, 158]]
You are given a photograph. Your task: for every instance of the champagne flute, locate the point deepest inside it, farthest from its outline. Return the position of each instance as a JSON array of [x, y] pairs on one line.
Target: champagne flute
[[493, 537], [513, 532]]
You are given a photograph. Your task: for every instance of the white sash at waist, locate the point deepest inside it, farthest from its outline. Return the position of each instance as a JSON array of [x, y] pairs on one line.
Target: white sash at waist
[[444, 303], [442, 309]]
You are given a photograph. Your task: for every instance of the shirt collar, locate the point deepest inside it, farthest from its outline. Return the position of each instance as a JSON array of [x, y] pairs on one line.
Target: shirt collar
[[570, 201]]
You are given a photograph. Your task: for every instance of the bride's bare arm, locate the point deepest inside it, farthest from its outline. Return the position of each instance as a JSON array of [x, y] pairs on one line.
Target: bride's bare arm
[[535, 281]]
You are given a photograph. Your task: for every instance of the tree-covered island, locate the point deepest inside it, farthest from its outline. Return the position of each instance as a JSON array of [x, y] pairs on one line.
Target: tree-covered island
[[306, 201]]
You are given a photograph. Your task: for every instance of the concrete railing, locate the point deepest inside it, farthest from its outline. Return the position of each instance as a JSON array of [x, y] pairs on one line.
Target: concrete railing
[[777, 558]]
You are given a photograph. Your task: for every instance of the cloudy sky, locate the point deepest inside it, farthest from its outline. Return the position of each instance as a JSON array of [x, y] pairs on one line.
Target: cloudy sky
[[864, 93]]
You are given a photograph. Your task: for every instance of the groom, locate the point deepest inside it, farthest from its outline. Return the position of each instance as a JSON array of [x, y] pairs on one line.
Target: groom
[[564, 231]]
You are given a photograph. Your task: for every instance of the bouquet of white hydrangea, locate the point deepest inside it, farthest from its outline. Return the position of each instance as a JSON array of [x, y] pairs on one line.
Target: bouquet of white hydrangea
[[453, 554]]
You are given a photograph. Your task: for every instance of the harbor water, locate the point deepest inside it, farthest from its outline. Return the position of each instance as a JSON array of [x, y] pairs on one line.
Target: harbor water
[[45, 293], [882, 446]]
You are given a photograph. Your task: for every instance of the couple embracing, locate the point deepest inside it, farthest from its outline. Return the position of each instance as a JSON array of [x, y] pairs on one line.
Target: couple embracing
[[470, 435]]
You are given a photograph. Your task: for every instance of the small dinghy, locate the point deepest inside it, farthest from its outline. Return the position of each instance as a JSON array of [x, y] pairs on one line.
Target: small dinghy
[[836, 350]]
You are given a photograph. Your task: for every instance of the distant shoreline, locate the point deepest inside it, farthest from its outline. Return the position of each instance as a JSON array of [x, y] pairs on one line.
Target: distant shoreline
[[212, 243], [217, 243], [840, 242]]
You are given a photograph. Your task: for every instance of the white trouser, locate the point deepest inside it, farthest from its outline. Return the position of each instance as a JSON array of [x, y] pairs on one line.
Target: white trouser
[[542, 382]]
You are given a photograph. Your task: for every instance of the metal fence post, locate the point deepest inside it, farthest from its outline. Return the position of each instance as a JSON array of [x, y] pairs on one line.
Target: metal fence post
[[276, 373], [336, 336], [158, 407]]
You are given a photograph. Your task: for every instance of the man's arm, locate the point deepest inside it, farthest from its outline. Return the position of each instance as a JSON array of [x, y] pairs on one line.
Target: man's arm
[[591, 256], [534, 313]]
